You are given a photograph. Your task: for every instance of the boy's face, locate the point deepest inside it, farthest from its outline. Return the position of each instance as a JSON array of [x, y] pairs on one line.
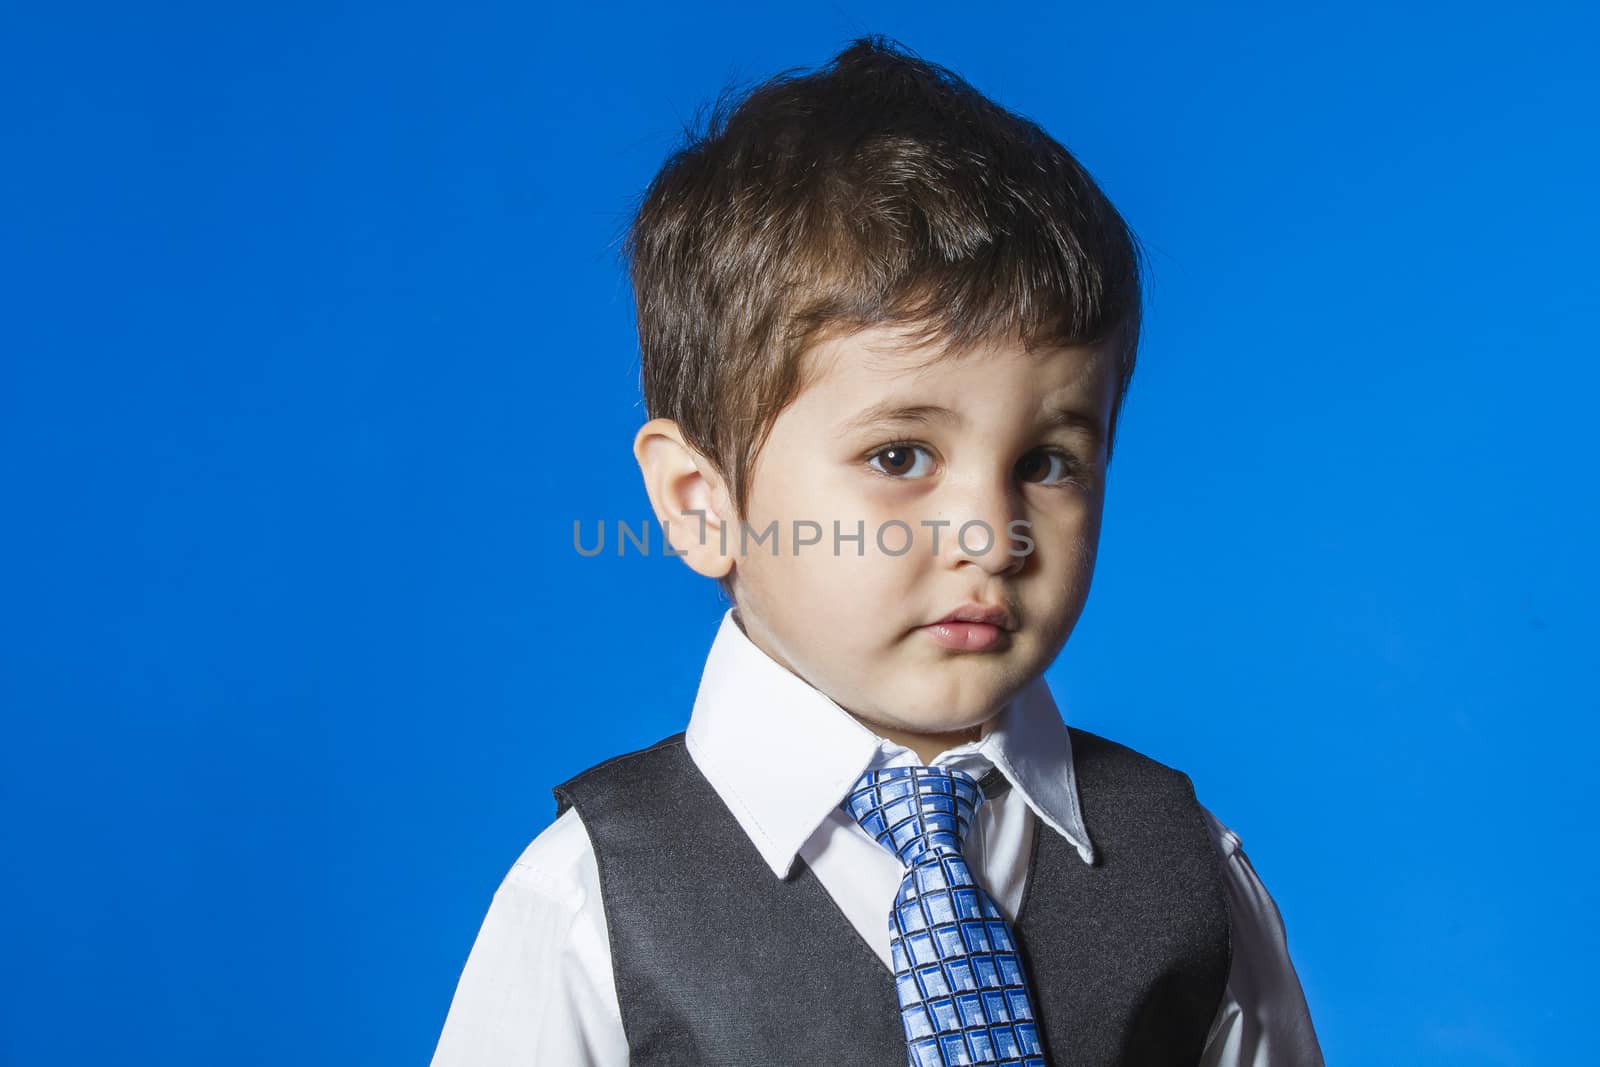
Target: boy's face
[[857, 626]]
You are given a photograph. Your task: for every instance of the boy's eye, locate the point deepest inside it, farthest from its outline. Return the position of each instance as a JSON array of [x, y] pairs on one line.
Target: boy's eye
[[902, 461], [1049, 467]]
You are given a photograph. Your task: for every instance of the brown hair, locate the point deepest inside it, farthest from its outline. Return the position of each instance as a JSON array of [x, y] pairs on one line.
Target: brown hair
[[879, 189]]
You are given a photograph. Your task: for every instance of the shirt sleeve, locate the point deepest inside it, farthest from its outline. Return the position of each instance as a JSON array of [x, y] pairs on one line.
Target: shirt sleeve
[[537, 987], [1263, 1020]]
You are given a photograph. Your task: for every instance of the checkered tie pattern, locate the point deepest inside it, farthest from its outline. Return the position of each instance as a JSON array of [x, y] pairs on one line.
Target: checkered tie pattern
[[963, 996]]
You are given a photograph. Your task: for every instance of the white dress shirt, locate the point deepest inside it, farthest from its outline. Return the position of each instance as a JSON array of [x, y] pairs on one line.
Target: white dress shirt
[[538, 991]]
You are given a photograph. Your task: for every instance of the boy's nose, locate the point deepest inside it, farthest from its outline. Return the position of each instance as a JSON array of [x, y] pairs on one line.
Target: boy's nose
[[979, 531]]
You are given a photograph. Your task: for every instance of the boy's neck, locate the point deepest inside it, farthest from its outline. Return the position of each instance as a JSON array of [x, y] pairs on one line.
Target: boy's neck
[[926, 746]]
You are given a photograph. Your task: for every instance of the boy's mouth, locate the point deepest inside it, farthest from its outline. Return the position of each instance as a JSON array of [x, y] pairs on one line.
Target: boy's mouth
[[973, 627], [967, 636], [972, 612]]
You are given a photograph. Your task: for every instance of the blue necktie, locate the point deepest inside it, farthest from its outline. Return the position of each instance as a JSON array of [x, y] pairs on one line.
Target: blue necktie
[[963, 996]]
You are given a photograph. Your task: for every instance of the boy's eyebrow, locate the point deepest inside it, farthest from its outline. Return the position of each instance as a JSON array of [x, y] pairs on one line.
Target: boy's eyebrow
[[894, 412], [1068, 419]]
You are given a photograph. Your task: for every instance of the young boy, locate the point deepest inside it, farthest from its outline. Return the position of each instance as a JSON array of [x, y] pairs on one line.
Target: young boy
[[886, 328]]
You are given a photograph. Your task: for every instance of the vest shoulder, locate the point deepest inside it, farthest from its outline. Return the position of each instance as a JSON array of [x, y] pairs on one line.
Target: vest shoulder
[[626, 764], [1092, 752]]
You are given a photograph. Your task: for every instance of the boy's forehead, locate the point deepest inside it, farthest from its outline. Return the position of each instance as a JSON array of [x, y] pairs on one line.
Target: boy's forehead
[[884, 360]]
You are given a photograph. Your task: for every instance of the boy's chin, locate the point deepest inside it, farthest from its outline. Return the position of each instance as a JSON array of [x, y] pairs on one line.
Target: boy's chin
[[942, 715]]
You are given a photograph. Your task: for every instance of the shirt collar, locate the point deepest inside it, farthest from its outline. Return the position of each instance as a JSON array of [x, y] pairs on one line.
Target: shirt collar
[[782, 755]]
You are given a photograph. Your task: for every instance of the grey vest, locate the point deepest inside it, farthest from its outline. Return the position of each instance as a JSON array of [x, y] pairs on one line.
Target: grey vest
[[718, 962]]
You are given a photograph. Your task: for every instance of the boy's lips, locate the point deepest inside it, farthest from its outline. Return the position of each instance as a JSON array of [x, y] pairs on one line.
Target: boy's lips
[[967, 636], [992, 615], [972, 627]]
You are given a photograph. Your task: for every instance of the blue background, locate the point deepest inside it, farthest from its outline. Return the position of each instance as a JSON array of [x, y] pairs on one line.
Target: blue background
[[316, 342]]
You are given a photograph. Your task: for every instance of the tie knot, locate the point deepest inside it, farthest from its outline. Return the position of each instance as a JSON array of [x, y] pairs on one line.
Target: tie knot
[[915, 812]]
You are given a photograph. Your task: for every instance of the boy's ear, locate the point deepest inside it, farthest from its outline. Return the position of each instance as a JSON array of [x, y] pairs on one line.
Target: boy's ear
[[681, 482]]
